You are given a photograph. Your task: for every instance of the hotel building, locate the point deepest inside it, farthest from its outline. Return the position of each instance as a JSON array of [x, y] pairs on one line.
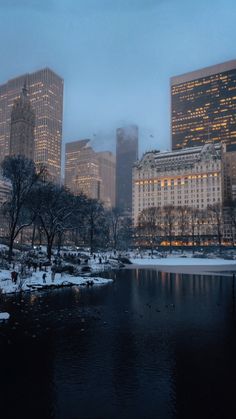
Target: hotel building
[[192, 177], [45, 92], [203, 107], [230, 176]]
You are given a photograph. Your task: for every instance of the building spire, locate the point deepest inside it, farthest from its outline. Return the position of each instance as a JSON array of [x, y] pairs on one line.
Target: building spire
[[24, 89], [209, 137]]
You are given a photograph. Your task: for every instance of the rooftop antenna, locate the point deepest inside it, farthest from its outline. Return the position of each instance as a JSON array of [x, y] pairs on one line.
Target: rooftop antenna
[[208, 133], [209, 138], [24, 89]]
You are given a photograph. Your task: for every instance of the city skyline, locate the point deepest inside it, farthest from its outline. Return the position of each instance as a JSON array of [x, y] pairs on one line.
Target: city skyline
[[116, 59], [45, 95], [117, 250]]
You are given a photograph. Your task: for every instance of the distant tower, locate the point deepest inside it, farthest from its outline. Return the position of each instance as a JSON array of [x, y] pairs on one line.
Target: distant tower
[[126, 156], [22, 127], [82, 169], [45, 92], [107, 173]]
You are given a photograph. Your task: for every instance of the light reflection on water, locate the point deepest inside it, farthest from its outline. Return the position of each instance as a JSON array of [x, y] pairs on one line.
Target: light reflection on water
[[150, 345]]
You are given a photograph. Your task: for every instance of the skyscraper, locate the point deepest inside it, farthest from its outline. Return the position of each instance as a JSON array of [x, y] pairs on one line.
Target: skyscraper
[[107, 173], [203, 107], [45, 91], [126, 156], [22, 127], [82, 169], [90, 172]]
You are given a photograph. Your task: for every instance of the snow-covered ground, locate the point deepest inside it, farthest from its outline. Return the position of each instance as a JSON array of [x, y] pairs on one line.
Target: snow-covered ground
[[4, 316], [180, 261], [35, 281], [187, 265], [105, 261]]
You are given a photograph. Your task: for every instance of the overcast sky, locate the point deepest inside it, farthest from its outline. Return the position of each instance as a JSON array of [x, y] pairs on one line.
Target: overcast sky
[[116, 57]]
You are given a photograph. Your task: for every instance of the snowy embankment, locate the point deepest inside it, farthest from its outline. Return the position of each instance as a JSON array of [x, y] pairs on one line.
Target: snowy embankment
[[186, 265], [35, 281], [4, 316]]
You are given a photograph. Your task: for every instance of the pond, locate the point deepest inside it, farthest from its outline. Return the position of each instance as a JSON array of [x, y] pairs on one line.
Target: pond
[[149, 345]]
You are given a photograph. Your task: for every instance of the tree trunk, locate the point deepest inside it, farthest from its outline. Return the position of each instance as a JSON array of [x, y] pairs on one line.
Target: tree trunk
[[91, 238], [219, 238], [59, 243], [40, 236], [170, 240], [193, 238], [11, 242], [76, 237], [49, 248], [33, 235]]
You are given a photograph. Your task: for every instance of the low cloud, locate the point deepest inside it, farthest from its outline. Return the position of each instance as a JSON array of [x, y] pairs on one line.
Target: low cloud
[[40, 5]]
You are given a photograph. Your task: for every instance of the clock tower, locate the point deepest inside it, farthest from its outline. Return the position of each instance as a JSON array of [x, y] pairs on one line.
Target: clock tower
[[22, 127]]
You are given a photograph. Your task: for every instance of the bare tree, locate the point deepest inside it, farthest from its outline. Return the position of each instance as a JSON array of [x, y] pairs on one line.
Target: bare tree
[[22, 174], [169, 219], [216, 214], [149, 224], [94, 215], [183, 214], [54, 207], [201, 222], [115, 222], [230, 215], [125, 235], [194, 220], [79, 228]]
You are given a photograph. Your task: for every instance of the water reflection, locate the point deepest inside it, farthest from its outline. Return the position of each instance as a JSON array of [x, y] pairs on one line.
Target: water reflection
[[150, 345]]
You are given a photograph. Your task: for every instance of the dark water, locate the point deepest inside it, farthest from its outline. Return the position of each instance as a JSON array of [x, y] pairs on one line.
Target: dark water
[[150, 346]]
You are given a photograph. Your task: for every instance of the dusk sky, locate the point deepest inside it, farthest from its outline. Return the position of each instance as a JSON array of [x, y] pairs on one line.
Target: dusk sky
[[116, 57]]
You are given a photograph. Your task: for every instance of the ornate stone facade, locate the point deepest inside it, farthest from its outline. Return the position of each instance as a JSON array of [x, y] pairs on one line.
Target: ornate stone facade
[[45, 92], [192, 177], [22, 127]]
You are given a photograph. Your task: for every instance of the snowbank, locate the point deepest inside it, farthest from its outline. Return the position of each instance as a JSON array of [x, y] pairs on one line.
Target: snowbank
[[186, 265], [188, 261], [4, 316], [36, 281]]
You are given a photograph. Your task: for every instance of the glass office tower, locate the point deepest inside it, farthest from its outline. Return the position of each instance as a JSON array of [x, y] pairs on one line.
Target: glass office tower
[[203, 107]]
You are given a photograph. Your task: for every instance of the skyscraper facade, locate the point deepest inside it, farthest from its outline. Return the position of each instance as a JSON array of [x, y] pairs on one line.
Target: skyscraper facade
[[45, 92], [82, 169], [203, 107], [107, 173], [22, 127], [90, 172], [126, 156]]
